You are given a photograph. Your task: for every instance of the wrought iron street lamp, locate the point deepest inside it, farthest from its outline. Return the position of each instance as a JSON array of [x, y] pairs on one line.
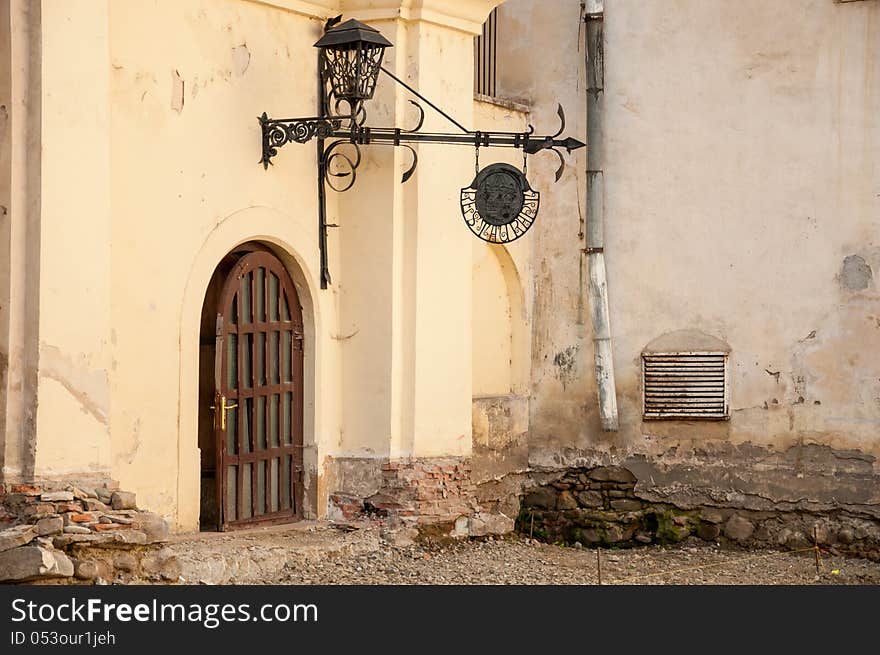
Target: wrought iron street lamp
[[499, 206], [350, 59]]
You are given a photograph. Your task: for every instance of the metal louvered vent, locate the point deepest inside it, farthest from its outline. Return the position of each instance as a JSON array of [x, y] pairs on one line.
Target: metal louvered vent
[[685, 385]]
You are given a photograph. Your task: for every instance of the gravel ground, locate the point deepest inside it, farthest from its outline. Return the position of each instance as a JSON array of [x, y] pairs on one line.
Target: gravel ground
[[516, 560]]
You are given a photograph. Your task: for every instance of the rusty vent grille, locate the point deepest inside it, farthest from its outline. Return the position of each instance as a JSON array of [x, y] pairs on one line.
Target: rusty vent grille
[[691, 385]]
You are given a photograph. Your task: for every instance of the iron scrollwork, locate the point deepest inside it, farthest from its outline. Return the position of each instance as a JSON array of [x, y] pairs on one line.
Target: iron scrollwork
[[277, 132], [535, 145], [338, 164]]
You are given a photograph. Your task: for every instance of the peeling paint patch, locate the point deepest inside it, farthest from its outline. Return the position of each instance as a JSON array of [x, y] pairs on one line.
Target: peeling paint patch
[[85, 403], [566, 365], [4, 123], [131, 453], [88, 388], [177, 85], [241, 59], [856, 273]]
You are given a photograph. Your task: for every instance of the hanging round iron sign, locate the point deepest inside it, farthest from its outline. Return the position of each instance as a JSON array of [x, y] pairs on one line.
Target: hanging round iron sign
[[499, 206]]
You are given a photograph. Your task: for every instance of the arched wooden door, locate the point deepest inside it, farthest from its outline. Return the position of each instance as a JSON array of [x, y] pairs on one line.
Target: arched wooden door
[[258, 403]]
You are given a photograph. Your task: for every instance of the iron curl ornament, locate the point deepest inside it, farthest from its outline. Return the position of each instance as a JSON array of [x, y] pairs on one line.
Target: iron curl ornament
[[499, 206], [338, 164]]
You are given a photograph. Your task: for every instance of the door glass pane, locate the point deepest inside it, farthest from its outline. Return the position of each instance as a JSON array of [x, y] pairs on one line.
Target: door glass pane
[[247, 418], [286, 400], [261, 423], [231, 430], [234, 318], [246, 491], [261, 486], [260, 359], [285, 482], [273, 297], [273, 358], [247, 350], [245, 296], [273, 420], [232, 361], [285, 355], [285, 310], [273, 492], [260, 288], [231, 491]]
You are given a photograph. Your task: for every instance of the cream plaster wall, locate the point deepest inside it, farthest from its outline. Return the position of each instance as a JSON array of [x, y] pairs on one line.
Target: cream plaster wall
[[148, 179], [490, 324], [500, 419], [6, 231], [186, 189], [407, 380], [20, 236], [515, 258], [75, 284]]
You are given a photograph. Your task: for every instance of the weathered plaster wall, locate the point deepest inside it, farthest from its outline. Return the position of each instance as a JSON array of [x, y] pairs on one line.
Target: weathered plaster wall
[[150, 178], [491, 324], [5, 220], [49, 355], [561, 359], [502, 335], [742, 201], [74, 300], [383, 343], [186, 189], [406, 383]]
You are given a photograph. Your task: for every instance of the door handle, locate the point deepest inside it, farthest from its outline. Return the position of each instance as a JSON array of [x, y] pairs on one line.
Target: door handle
[[223, 408]]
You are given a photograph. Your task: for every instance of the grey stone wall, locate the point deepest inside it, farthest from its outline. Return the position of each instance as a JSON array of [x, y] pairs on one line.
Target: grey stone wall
[[600, 506]]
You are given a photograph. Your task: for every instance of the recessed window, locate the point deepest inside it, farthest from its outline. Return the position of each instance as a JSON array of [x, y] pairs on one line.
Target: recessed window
[[685, 385], [486, 59]]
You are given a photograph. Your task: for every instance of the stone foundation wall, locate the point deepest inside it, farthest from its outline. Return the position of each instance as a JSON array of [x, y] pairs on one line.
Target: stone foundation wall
[[63, 532], [600, 506]]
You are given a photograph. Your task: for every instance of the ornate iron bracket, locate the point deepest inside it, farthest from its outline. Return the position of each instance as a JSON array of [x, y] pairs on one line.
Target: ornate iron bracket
[[299, 130], [280, 131], [335, 165]]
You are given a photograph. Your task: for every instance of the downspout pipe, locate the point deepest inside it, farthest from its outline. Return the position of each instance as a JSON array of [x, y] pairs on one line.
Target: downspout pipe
[[594, 250]]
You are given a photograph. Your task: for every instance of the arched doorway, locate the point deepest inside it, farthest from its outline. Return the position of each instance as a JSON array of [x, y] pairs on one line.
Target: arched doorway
[[251, 393]]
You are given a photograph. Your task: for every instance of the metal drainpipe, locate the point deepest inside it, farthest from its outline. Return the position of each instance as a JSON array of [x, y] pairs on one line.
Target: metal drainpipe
[[595, 238]]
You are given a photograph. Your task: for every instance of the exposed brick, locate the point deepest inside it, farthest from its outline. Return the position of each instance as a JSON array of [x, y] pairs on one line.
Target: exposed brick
[[26, 489], [61, 508], [438, 490]]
